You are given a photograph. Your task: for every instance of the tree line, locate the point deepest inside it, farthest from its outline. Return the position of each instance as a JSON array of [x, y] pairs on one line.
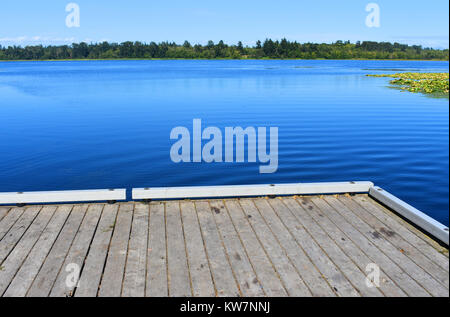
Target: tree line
[[269, 49]]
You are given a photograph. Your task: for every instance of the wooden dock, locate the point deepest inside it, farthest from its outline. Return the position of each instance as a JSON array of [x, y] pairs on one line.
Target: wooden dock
[[324, 245]]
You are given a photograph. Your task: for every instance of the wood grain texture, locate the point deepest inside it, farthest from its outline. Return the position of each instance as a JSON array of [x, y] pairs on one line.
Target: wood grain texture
[[157, 284], [92, 271], [223, 276], [202, 284], [113, 273], [177, 263], [15, 258], [31, 266], [47, 275], [282, 246], [136, 266]]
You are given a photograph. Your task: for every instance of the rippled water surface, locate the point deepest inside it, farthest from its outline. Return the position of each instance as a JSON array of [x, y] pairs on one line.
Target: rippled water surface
[[103, 124]]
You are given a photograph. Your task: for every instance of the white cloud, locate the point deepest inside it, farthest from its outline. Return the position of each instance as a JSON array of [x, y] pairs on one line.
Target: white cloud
[[21, 40], [13, 39]]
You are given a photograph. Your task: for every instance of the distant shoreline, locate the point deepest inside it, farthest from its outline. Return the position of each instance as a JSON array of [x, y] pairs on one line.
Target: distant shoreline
[[269, 49], [218, 59]]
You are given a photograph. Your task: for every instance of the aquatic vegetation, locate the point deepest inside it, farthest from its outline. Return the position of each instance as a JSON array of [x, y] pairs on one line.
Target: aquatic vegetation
[[428, 83]]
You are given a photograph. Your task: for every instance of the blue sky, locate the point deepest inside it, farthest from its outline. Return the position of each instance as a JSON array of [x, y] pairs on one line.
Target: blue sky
[[43, 22]]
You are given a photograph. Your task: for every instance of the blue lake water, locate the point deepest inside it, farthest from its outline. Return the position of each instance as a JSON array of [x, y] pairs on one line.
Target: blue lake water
[[105, 124]]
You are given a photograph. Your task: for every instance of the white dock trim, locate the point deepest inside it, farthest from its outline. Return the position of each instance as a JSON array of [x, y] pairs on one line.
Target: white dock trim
[[417, 217], [62, 196], [250, 190], [414, 215]]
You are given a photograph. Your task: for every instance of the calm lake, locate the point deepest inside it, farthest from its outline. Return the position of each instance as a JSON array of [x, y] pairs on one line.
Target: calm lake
[[105, 124]]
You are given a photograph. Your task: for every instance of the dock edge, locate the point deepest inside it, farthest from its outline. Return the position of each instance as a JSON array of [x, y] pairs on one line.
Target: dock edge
[[63, 196], [417, 217], [251, 190], [414, 215]]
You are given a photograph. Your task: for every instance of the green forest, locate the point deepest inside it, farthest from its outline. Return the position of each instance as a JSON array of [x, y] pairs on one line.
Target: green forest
[[269, 49]]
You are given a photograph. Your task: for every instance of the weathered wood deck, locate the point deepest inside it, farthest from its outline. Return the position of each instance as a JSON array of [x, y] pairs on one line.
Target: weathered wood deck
[[289, 246]]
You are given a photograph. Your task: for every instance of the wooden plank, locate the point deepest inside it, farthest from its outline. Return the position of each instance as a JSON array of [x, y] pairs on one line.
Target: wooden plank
[[250, 190], [414, 215], [248, 281], [16, 232], [47, 275], [136, 267], [178, 269], [288, 273], [156, 285], [264, 269], [113, 274], [224, 280], [432, 250], [330, 271], [9, 220], [399, 276], [351, 271], [411, 227], [62, 196], [30, 267], [78, 251], [15, 259], [421, 276], [404, 246], [93, 267], [202, 284], [3, 212], [387, 286], [312, 277]]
